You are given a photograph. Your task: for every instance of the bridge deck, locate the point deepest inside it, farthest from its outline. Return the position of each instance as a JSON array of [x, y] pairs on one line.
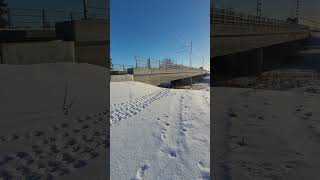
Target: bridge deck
[[156, 76], [233, 32]]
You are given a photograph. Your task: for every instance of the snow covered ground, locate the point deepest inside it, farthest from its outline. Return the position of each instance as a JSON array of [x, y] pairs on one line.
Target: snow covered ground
[[38, 139], [159, 133], [271, 130]]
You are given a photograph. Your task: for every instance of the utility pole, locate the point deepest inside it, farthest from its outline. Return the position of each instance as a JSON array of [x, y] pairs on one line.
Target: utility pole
[[191, 62], [259, 8], [85, 9], [298, 9], [190, 54], [202, 62]]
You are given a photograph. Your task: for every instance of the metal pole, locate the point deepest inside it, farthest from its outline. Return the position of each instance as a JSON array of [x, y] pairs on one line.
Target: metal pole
[[136, 62], [298, 9], [44, 19], [191, 61], [190, 53], [9, 19], [85, 9], [71, 16], [259, 8]]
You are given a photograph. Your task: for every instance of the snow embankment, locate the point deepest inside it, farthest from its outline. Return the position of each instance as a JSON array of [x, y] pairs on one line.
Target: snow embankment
[[53, 121], [266, 134]]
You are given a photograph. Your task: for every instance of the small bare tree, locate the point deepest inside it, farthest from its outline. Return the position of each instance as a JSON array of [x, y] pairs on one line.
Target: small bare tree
[[67, 106], [131, 93]]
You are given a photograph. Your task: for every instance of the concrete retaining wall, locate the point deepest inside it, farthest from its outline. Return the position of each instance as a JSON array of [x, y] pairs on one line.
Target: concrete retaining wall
[[121, 78], [37, 52], [91, 39]]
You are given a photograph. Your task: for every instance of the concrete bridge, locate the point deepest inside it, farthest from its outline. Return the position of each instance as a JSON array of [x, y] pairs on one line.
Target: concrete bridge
[[239, 41], [156, 76]]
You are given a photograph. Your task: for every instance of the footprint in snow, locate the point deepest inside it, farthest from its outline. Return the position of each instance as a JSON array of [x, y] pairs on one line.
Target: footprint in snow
[[204, 172], [141, 172], [172, 154], [163, 135]]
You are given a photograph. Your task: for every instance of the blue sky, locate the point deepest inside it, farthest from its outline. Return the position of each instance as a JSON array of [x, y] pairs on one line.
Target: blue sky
[[159, 29]]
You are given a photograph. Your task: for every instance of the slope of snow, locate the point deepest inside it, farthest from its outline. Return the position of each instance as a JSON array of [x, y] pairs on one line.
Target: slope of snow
[[37, 139], [159, 133]]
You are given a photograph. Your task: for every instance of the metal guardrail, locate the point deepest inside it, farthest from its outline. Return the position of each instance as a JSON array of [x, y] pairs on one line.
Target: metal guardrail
[[230, 17], [142, 62], [121, 67], [148, 63], [23, 18]]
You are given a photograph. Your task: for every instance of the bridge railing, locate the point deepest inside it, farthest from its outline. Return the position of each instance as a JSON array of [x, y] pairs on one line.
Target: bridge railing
[[121, 67], [142, 62], [24, 18], [230, 17]]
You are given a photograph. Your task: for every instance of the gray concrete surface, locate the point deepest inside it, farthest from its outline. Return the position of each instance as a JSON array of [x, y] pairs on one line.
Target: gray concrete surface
[[23, 35], [226, 39], [91, 39], [37, 52], [158, 76], [121, 78]]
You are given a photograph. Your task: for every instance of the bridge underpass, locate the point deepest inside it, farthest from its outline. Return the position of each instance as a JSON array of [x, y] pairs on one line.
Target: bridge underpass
[[240, 44]]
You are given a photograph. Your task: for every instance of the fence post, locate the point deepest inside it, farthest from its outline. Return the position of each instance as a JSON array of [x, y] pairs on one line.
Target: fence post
[[85, 9], [224, 16], [149, 63], [136, 63], [9, 18], [43, 19], [234, 18], [123, 67], [71, 16]]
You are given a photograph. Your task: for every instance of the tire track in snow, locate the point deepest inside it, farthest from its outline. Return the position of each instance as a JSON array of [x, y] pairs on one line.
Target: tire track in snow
[[131, 108]]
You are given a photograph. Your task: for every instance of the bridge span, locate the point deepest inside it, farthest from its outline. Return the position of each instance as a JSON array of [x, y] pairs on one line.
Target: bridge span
[[157, 73], [158, 76], [238, 41]]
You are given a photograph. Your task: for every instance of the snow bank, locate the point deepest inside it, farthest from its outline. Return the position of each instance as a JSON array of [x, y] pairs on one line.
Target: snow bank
[[38, 139]]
